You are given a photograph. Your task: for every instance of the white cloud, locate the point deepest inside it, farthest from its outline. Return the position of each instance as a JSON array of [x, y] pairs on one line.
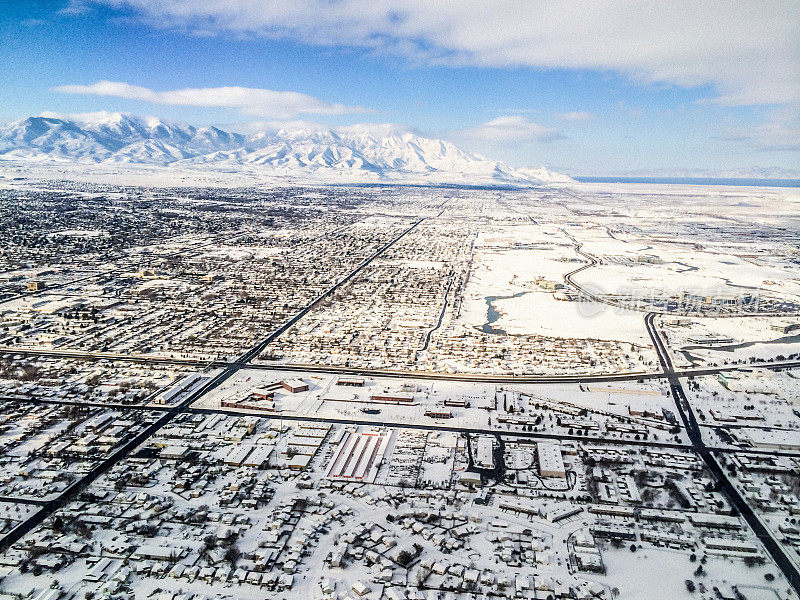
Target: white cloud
[[251, 101], [378, 130], [780, 132], [747, 49], [100, 116], [278, 125], [502, 130], [575, 116]]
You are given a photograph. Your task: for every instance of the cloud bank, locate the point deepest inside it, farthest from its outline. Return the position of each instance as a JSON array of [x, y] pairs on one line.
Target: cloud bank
[[251, 101], [779, 132], [747, 50]]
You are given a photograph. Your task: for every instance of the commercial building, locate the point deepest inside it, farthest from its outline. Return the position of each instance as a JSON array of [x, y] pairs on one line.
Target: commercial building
[[393, 398], [294, 386], [551, 463], [716, 299], [484, 456]]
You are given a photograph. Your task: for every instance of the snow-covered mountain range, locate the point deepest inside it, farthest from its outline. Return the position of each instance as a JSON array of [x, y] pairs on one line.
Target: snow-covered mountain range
[[357, 153]]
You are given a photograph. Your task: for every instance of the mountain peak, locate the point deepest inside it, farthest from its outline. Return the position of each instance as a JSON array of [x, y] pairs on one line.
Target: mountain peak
[[365, 152], [101, 117]]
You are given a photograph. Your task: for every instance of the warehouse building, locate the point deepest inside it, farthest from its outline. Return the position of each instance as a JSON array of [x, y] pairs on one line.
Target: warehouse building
[[551, 463]]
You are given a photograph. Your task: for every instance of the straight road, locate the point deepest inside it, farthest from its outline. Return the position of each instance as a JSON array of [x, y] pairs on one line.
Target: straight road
[[256, 350], [776, 551], [72, 492], [74, 489], [433, 426], [465, 377]]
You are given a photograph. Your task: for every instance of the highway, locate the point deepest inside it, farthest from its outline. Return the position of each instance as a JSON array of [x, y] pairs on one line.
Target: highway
[[75, 488], [520, 379], [592, 263], [432, 426], [407, 374], [49, 507], [776, 551]]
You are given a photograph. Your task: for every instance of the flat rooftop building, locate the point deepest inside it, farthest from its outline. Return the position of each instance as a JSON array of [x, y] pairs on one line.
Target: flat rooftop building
[[262, 394], [710, 340], [393, 398], [716, 299], [485, 456], [294, 386], [551, 463]]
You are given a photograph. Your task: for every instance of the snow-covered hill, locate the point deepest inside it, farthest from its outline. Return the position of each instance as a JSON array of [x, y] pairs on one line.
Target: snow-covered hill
[[357, 153]]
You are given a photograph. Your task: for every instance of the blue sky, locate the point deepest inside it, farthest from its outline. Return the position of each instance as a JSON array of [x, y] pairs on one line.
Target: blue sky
[[600, 91]]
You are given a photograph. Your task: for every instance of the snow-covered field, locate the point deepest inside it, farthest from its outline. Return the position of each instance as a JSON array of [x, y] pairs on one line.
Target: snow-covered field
[[746, 338]]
